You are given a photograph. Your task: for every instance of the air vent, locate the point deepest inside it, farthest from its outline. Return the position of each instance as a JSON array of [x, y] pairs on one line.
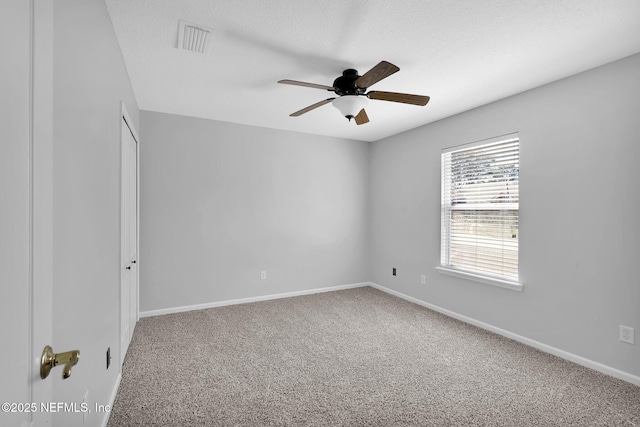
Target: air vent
[[193, 38]]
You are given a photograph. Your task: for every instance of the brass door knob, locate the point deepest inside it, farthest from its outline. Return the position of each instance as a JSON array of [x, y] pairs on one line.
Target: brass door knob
[[50, 359]]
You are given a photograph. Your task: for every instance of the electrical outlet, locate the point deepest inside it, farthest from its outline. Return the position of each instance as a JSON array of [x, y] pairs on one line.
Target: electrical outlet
[[626, 334], [423, 279], [263, 275], [394, 271], [108, 357]]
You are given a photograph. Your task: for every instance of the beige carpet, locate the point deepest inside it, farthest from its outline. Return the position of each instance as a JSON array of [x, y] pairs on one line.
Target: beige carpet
[[356, 357]]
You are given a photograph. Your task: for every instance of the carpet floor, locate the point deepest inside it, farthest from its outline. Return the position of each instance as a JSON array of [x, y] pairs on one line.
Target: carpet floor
[[357, 357]]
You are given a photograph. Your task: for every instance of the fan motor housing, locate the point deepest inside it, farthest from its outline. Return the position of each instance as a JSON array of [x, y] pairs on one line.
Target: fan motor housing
[[346, 83]]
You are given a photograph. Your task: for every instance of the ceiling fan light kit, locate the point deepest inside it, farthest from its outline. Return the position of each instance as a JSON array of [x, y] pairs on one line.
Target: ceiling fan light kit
[[350, 105], [351, 89]]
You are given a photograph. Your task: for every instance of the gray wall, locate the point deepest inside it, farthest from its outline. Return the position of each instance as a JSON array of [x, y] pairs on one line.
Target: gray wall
[[579, 228], [89, 82], [221, 202]]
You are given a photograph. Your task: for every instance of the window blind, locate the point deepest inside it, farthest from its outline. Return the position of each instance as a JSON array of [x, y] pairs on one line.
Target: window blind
[[480, 203]]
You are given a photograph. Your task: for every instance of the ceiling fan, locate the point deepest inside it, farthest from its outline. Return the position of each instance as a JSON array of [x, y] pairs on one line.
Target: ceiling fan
[[351, 89]]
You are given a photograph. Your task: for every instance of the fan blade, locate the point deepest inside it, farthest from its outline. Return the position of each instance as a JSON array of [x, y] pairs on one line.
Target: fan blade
[[399, 97], [381, 71], [362, 117], [311, 107], [305, 84]]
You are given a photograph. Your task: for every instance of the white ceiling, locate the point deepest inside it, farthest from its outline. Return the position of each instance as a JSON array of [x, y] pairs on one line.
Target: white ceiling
[[462, 53]]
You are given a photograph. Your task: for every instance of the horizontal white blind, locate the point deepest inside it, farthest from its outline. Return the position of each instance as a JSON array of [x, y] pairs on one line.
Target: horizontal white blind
[[480, 205]]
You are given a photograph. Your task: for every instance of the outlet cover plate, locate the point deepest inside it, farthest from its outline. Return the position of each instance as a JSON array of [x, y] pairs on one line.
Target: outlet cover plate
[[627, 334]]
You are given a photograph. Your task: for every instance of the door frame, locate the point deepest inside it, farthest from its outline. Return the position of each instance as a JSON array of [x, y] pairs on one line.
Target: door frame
[[41, 203], [126, 121]]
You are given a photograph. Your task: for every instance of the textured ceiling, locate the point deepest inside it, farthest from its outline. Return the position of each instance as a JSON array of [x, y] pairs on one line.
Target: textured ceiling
[[462, 53]]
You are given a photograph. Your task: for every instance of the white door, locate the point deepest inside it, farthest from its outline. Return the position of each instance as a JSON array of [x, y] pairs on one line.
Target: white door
[[129, 236], [25, 207]]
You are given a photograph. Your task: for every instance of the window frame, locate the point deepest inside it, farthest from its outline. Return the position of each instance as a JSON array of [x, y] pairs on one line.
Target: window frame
[[477, 276]]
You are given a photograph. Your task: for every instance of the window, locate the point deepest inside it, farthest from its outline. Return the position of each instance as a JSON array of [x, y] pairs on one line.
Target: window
[[480, 211]]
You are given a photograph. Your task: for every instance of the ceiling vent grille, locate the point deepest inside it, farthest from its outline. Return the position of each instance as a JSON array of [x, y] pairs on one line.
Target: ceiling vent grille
[[193, 38]]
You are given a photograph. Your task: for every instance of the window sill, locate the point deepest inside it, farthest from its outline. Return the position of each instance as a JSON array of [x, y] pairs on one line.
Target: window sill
[[514, 286]]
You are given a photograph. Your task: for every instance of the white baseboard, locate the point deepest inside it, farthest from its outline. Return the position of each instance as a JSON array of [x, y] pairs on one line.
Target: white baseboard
[[616, 373], [171, 310], [112, 399]]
